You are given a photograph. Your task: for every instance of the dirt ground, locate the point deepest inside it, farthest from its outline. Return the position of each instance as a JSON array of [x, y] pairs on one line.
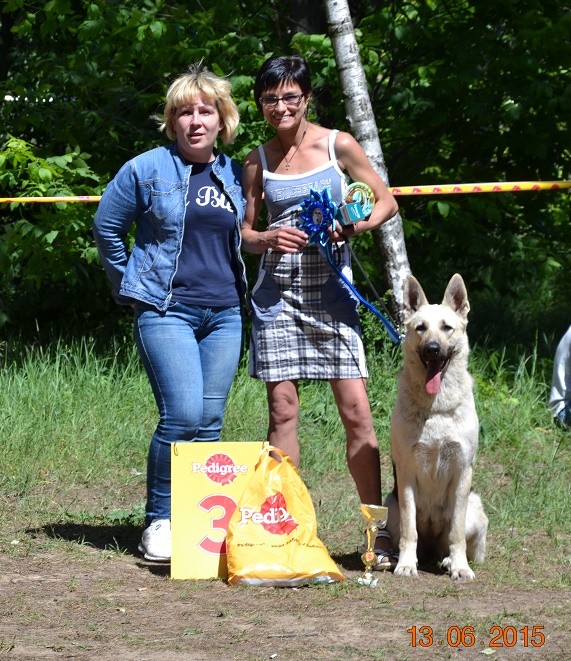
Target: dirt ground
[[75, 590]]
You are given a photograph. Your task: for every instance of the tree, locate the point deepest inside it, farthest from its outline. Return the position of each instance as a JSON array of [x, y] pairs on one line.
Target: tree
[[390, 236]]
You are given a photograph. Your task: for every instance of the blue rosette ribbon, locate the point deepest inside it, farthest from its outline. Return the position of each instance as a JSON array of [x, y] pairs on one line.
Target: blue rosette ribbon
[[317, 215]]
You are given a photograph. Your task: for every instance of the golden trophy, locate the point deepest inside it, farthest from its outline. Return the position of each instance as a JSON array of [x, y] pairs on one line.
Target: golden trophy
[[374, 518]]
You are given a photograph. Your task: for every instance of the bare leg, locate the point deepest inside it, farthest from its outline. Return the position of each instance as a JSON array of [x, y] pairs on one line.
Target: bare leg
[[283, 406], [363, 456], [362, 446]]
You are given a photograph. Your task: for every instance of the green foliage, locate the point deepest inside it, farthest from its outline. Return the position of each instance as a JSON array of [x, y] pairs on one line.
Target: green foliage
[[462, 92], [45, 247], [112, 64], [88, 76]]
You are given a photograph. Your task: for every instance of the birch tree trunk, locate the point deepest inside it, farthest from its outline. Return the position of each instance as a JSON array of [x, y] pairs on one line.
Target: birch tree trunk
[[389, 238]]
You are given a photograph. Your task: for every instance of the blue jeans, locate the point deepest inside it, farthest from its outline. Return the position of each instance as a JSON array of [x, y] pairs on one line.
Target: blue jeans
[[190, 354]]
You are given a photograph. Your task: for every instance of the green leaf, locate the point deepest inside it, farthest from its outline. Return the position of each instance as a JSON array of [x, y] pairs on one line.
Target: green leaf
[[157, 29], [443, 208], [44, 174]]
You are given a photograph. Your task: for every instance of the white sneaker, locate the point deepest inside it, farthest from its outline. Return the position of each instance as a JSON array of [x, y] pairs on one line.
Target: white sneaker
[[156, 543]]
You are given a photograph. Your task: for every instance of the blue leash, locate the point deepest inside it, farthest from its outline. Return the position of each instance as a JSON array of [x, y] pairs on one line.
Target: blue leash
[[318, 213]]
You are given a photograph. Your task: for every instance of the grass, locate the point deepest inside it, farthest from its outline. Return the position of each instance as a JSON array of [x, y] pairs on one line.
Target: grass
[[71, 414], [75, 419]]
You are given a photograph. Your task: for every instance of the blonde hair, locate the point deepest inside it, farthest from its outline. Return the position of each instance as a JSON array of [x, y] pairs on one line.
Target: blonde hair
[[198, 81]]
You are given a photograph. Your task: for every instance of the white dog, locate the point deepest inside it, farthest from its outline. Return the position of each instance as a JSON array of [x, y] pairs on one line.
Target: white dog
[[434, 438]]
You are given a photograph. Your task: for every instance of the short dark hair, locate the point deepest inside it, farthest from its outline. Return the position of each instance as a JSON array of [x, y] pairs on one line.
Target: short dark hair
[[281, 69]]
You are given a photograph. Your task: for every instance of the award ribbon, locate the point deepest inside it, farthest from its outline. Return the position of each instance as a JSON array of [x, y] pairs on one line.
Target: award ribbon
[[318, 213]]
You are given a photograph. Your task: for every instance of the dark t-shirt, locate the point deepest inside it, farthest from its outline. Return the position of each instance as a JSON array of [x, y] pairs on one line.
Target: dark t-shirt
[[207, 271]]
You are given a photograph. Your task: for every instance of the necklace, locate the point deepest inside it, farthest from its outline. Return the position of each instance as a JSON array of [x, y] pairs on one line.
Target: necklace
[[294, 151]]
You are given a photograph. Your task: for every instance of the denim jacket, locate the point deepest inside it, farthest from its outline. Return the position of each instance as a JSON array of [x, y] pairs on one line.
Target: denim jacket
[[150, 190]]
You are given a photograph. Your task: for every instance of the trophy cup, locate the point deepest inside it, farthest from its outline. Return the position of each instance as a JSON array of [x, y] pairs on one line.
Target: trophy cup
[[374, 518]]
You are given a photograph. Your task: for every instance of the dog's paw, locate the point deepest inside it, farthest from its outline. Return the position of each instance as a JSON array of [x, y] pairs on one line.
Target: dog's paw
[[405, 570], [462, 574], [458, 571]]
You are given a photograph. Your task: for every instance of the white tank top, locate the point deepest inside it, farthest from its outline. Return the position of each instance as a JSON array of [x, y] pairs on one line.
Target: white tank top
[[283, 193]]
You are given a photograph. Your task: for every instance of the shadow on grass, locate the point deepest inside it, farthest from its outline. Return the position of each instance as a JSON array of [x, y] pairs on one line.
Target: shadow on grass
[[122, 539], [353, 562]]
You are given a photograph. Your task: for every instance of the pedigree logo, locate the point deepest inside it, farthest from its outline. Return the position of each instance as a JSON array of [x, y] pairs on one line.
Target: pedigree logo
[[273, 516], [219, 468]]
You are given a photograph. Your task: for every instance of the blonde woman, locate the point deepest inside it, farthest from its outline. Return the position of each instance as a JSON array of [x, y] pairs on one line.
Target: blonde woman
[[184, 278]]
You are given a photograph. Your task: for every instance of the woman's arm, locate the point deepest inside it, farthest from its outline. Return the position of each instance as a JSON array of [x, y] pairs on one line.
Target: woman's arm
[[116, 213], [354, 161], [282, 239]]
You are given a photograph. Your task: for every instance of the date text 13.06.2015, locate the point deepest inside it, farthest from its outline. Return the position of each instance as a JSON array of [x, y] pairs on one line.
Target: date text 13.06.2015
[[507, 636]]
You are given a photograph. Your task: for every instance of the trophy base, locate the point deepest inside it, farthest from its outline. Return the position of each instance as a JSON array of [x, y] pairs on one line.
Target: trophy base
[[368, 580]]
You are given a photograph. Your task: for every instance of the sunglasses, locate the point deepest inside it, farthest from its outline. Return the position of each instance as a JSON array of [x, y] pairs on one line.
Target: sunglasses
[[290, 100]]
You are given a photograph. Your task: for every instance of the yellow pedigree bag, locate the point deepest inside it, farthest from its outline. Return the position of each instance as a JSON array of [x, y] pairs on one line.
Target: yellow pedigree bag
[[272, 535]]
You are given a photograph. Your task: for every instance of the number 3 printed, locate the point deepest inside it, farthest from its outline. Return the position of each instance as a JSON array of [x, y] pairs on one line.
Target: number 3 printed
[[227, 505]]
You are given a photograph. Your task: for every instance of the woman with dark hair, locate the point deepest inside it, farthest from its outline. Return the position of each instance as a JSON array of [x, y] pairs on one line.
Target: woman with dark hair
[[305, 321], [279, 69], [184, 277]]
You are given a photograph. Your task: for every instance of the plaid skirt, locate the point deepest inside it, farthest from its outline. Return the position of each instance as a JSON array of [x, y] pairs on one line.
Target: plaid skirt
[[305, 319]]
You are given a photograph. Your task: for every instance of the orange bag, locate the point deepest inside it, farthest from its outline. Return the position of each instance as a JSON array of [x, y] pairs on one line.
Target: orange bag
[[272, 535]]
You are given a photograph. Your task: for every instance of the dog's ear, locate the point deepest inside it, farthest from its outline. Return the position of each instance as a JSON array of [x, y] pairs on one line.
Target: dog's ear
[[456, 296], [414, 297]]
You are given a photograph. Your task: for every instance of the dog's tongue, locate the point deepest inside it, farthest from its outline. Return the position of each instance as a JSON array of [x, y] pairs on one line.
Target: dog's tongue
[[433, 377]]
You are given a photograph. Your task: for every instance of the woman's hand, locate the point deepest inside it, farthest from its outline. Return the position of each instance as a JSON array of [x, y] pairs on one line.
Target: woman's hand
[[343, 232], [284, 239]]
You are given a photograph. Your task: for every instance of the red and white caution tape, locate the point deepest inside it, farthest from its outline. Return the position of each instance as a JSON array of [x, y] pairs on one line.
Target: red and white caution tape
[[431, 189], [493, 187]]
